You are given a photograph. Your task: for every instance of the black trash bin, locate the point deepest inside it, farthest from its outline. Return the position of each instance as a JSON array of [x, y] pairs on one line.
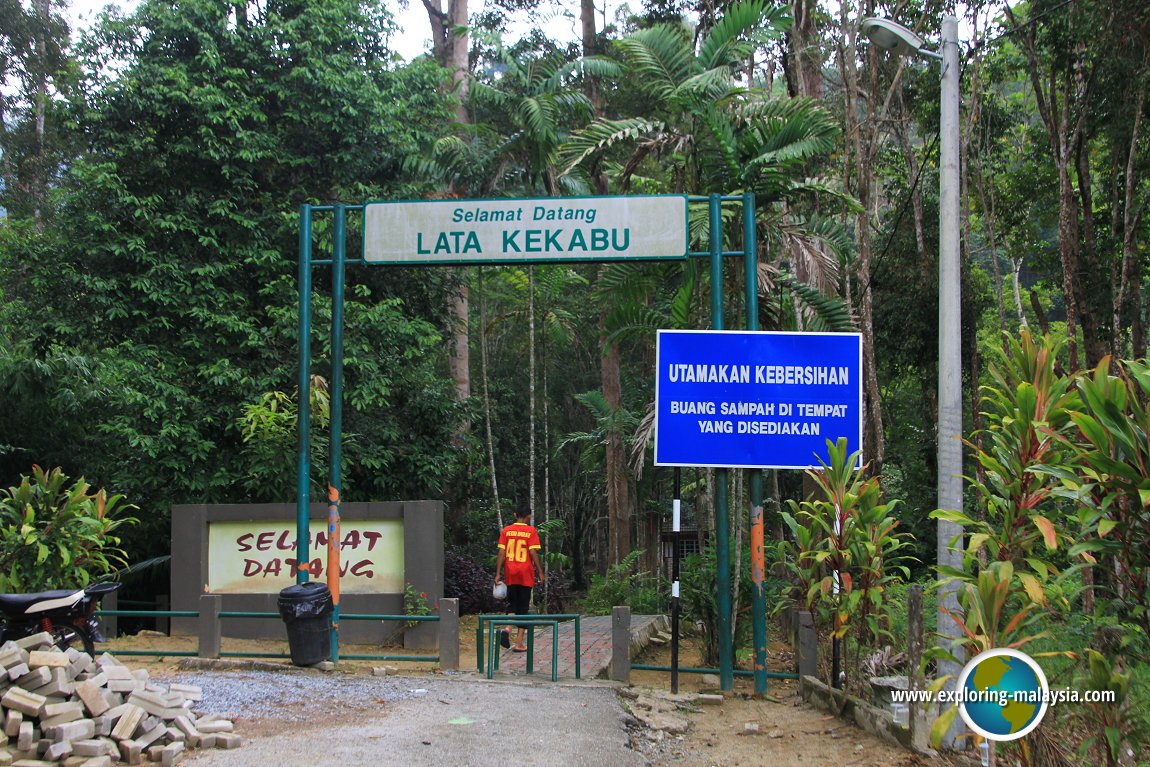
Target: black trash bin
[[306, 610]]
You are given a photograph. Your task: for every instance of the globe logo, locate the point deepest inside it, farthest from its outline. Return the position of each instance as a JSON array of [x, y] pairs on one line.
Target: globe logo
[[1002, 694]]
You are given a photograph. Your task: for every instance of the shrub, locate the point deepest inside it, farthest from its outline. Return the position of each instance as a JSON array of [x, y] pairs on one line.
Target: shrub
[[56, 536], [622, 587], [469, 582]]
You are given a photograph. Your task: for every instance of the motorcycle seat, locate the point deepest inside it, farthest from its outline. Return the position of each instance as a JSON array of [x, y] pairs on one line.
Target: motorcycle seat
[[18, 604]]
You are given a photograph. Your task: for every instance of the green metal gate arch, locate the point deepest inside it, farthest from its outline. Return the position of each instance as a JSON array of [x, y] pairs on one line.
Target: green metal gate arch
[[338, 262]]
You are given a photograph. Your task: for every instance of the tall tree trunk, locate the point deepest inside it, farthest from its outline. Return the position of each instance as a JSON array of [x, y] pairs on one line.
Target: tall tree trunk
[[449, 44], [618, 480], [1059, 94], [487, 401], [1127, 299], [802, 60], [861, 140], [39, 179]]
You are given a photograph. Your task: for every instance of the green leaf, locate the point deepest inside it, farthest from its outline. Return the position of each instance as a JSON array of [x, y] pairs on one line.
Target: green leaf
[[942, 725]]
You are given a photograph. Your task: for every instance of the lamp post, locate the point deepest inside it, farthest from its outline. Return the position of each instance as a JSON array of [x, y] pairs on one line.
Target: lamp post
[[895, 37]]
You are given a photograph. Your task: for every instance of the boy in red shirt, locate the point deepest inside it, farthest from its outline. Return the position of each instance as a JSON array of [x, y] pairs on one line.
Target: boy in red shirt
[[519, 551]]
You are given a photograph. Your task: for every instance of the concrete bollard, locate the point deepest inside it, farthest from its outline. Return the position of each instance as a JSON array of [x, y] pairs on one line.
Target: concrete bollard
[[621, 644], [449, 634], [209, 625]]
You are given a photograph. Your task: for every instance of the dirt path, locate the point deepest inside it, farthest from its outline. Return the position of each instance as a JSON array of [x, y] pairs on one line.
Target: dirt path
[[742, 730]]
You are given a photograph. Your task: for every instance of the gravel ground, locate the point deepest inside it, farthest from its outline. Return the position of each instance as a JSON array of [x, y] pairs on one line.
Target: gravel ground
[[300, 717]]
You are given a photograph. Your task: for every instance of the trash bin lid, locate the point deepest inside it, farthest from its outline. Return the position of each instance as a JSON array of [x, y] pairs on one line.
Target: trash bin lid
[[305, 592]]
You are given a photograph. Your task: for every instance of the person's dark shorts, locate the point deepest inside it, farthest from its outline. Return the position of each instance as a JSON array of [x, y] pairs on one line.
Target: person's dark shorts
[[519, 597]]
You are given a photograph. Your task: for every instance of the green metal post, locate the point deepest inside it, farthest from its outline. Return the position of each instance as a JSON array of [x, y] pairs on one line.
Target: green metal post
[[303, 464], [758, 551], [334, 484], [722, 524]]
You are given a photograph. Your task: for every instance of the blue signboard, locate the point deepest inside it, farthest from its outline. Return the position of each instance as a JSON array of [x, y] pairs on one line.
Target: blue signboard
[[755, 400]]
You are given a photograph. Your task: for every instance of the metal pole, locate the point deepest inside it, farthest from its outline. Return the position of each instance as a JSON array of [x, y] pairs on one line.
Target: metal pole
[[676, 537], [758, 551], [722, 523], [334, 483], [949, 333], [303, 462]]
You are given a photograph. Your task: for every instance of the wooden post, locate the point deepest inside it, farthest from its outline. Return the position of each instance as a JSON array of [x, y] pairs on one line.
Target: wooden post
[[449, 635]]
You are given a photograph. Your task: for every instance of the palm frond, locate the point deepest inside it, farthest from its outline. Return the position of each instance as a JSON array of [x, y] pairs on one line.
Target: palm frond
[[602, 134], [823, 312], [729, 41], [662, 57]]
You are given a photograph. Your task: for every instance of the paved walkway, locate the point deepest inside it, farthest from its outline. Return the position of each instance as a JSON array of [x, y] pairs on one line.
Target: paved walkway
[[594, 644]]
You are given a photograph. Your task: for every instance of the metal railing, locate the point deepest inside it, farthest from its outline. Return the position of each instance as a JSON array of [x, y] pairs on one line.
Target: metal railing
[[530, 619]]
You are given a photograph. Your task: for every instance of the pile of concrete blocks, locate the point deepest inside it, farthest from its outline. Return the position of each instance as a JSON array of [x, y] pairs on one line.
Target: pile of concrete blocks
[[61, 707]]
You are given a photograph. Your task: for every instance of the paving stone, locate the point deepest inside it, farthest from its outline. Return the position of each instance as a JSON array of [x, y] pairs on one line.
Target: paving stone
[[28, 703], [36, 641], [12, 723], [228, 740], [131, 752], [49, 658], [126, 727], [92, 696], [57, 751]]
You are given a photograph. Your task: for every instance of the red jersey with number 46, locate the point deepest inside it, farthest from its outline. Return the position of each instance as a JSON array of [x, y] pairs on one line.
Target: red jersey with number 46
[[516, 540]]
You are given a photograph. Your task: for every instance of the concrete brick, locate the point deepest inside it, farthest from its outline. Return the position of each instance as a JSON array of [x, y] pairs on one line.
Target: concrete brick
[[100, 679], [57, 751], [228, 740], [155, 753], [146, 701], [123, 685], [131, 752], [214, 727], [126, 726], [56, 709], [37, 677], [172, 754], [17, 671], [98, 761], [28, 703], [5, 757], [12, 723], [81, 729], [89, 747], [92, 696], [49, 658], [184, 725], [32, 763], [27, 738], [11, 655], [36, 641], [189, 691], [103, 724], [115, 671], [152, 735], [58, 684], [106, 659]]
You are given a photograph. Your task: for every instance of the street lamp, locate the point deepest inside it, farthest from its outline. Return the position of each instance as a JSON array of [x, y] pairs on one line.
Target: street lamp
[[895, 37]]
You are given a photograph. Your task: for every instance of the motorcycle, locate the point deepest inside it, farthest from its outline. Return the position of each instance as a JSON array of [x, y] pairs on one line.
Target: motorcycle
[[66, 614]]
